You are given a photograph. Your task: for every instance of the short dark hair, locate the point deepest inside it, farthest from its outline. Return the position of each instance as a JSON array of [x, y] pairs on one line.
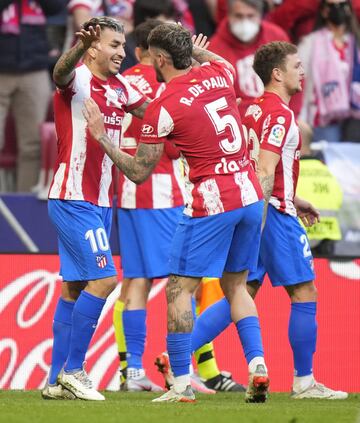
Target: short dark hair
[[175, 41], [144, 9], [142, 31], [104, 22], [270, 56]]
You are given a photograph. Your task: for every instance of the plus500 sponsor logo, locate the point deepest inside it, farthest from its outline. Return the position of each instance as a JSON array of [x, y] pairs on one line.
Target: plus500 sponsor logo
[[113, 119]]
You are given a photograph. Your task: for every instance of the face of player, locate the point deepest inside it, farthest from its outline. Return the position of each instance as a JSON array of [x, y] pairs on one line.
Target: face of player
[[156, 62], [294, 74], [244, 21], [110, 52]]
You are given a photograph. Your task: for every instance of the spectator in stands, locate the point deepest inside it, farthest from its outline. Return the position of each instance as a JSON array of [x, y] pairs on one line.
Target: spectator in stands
[[131, 13], [330, 55], [24, 80], [238, 37]]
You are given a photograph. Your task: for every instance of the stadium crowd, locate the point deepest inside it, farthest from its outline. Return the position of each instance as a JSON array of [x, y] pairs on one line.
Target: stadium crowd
[[32, 42], [60, 38]]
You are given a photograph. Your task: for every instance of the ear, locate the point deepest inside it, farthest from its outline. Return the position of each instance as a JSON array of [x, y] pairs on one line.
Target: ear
[[277, 74], [92, 52]]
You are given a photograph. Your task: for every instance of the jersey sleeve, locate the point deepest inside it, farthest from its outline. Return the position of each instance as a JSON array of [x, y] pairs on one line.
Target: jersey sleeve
[[224, 70], [274, 131], [157, 124]]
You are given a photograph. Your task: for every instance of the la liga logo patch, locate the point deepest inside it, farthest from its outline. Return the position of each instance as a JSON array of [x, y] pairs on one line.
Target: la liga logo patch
[[277, 134]]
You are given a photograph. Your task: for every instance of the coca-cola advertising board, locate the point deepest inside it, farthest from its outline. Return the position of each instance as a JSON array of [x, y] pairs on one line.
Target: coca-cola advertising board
[[30, 286]]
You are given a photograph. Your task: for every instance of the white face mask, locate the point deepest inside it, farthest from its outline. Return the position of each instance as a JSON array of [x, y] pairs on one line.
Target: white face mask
[[245, 30]]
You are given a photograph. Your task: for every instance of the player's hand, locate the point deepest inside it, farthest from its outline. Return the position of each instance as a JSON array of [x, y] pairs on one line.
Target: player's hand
[[308, 214], [200, 41], [94, 119], [90, 38]]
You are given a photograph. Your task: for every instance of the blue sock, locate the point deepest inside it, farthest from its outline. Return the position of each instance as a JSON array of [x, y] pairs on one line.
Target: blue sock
[[85, 316], [61, 331], [179, 350], [302, 336], [134, 322], [211, 322], [250, 337]]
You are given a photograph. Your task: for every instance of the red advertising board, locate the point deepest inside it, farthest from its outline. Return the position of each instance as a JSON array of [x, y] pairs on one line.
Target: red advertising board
[[30, 286]]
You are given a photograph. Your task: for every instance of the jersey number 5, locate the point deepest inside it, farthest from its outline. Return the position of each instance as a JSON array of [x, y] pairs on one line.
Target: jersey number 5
[[220, 124]]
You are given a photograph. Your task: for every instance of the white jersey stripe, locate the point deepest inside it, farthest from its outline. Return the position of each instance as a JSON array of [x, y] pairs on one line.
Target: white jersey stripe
[[189, 186], [211, 195], [58, 181], [162, 191], [128, 196], [247, 189], [78, 148]]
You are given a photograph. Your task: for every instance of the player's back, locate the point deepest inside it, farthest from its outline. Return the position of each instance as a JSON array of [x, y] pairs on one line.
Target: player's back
[[271, 126], [163, 188], [198, 113]]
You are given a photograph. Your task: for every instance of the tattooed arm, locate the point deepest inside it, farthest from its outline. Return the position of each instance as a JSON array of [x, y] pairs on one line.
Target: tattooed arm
[[140, 111], [64, 69], [137, 168], [266, 174]]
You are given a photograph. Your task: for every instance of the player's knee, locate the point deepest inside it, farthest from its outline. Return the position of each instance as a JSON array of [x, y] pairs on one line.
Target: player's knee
[[304, 292]]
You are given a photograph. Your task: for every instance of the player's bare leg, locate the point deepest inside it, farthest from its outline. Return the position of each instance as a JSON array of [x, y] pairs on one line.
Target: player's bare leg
[[179, 291]]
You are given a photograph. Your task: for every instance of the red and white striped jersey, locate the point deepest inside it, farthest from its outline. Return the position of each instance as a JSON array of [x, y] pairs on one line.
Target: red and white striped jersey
[[198, 113], [271, 125], [163, 187], [83, 171]]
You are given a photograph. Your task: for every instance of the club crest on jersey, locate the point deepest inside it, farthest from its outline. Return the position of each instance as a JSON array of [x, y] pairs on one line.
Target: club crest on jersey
[[276, 135], [101, 261], [147, 129], [121, 95]]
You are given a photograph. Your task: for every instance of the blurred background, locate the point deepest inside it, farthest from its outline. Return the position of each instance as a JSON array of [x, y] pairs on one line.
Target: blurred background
[[33, 34]]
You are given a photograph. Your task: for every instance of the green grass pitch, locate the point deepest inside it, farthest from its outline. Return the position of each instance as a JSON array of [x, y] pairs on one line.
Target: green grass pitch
[[120, 407]]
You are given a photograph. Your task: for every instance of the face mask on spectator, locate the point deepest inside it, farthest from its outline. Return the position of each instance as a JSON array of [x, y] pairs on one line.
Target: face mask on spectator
[[245, 30], [338, 13]]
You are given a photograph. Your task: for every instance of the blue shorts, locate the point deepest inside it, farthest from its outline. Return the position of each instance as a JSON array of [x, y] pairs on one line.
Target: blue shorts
[[145, 237], [206, 246], [83, 231], [285, 253]]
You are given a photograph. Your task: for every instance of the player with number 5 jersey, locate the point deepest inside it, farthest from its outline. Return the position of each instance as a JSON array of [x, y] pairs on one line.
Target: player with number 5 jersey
[[219, 233], [198, 113]]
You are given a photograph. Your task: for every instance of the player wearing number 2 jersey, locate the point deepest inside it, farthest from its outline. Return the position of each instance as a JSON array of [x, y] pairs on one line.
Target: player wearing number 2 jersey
[[80, 198], [274, 143], [219, 232], [147, 218]]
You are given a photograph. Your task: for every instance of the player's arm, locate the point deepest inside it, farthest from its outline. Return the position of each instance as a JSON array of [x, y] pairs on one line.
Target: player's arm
[[140, 111], [64, 70], [201, 55], [137, 168], [267, 162], [308, 214]]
